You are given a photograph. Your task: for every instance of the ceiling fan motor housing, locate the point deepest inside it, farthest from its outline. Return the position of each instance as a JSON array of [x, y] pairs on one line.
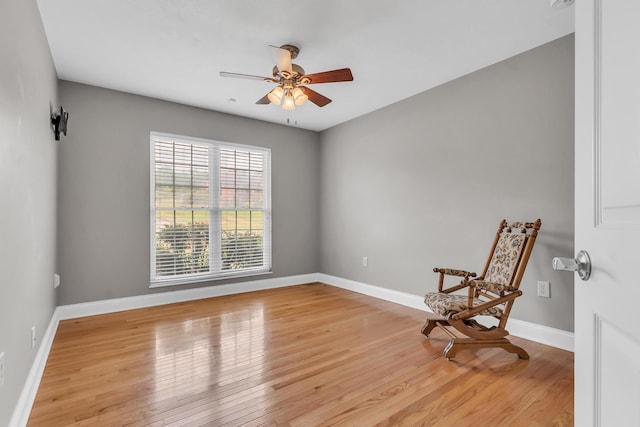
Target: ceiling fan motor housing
[[294, 50], [297, 71]]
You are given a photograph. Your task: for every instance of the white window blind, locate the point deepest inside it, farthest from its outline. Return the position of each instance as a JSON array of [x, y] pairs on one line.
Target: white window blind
[[210, 210]]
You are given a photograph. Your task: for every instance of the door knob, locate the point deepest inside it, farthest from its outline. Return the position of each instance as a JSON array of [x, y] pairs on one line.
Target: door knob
[[581, 264]]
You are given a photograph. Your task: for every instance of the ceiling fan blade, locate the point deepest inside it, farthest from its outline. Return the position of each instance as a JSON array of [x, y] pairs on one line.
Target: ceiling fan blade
[[316, 98], [264, 100], [245, 76], [341, 75], [282, 58]]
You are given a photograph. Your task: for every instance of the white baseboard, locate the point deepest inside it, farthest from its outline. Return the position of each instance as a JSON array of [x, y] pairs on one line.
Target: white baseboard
[[402, 298], [520, 328], [542, 334], [28, 395], [531, 331], [93, 308]]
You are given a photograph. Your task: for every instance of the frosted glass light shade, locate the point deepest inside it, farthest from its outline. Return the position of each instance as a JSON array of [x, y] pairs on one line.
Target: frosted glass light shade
[[275, 96], [299, 96], [288, 103]]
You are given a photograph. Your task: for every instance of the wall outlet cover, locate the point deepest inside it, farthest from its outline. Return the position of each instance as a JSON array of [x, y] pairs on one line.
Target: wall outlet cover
[[544, 289]]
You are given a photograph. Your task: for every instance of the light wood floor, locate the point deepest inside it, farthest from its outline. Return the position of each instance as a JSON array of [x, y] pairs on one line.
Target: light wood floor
[[305, 355]]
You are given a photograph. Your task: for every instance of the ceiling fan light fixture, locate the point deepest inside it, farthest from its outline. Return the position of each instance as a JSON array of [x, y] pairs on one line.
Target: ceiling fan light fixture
[[288, 103], [291, 80], [275, 96], [299, 96]]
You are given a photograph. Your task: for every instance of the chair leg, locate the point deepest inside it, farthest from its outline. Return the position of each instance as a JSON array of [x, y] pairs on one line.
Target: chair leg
[[461, 343], [429, 325], [475, 336], [450, 350], [512, 348]]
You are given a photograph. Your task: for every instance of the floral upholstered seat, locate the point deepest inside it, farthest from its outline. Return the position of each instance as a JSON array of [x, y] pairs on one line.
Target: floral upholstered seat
[[444, 304]]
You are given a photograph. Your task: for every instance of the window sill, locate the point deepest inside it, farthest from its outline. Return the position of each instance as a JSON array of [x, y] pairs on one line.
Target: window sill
[[200, 279]]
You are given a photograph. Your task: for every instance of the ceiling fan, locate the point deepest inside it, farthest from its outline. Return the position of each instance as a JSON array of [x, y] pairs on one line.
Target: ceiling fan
[[291, 80]]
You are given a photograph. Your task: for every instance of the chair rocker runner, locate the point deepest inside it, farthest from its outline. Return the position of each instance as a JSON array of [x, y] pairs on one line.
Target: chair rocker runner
[[491, 294]]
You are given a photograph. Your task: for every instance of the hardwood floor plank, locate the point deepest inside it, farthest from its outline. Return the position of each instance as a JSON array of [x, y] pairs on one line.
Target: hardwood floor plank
[[508, 388], [304, 355]]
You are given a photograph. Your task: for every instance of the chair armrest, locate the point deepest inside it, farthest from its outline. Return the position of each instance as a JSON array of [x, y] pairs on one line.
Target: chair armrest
[[496, 288], [452, 272]]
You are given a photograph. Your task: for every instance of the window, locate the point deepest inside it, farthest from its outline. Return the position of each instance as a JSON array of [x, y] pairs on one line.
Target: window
[[210, 210]]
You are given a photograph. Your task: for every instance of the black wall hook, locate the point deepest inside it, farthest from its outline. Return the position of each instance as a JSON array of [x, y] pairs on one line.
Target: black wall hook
[[59, 123]]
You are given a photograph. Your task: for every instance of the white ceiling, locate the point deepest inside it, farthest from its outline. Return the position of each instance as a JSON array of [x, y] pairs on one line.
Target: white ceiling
[[174, 49]]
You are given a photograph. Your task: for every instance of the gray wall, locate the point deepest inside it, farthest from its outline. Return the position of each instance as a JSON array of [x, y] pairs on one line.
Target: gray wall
[[27, 191], [103, 249], [418, 184], [424, 182]]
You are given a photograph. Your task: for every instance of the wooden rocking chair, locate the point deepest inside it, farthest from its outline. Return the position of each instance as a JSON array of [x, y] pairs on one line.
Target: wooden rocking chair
[[491, 294]]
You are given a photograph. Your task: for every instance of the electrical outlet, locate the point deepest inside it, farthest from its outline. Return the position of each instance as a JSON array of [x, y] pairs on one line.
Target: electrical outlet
[[33, 337], [544, 289], [365, 261], [1, 369]]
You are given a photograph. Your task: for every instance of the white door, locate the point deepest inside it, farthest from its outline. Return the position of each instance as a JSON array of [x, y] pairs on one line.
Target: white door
[[607, 212]]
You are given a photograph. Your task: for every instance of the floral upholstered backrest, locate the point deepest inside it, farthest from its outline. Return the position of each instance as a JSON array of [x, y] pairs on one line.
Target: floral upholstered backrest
[[505, 258]]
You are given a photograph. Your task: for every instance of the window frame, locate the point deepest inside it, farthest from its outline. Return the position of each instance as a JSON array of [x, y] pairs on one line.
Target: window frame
[[215, 213]]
